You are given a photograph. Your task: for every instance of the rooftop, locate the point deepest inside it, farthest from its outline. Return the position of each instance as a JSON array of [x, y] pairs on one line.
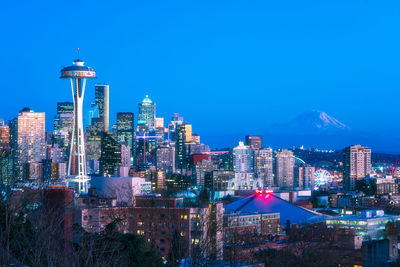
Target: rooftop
[[269, 203]]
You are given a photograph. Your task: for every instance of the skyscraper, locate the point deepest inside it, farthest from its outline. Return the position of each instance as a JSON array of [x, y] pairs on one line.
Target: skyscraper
[[4, 135], [78, 73], [284, 167], [242, 158], [110, 154], [102, 100], [188, 133], [356, 165], [180, 148], [165, 155], [31, 136], [254, 141], [63, 123], [125, 128], [29, 141], [263, 166], [147, 112]]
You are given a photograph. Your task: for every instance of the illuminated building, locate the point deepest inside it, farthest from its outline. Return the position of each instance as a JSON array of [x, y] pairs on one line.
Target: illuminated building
[[200, 169], [93, 137], [180, 149], [146, 142], [110, 154], [254, 141], [386, 186], [125, 128], [370, 224], [159, 181], [175, 121], [284, 167], [245, 181], [309, 173], [165, 158], [30, 136], [57, 154], [245, 223], [356, 164], [4, 135], [264, 201], [219, 180], [125, 156], [166, 220], [188, 133], [102, 100], [196, 138], [159, 122], [123, 189], [63, 123], [242, 159], [147, 112], [77, 174], [7, 167], [263, 166], [195, 158]]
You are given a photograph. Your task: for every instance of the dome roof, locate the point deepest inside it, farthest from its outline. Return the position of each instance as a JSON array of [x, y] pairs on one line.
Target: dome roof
[[147, 100]]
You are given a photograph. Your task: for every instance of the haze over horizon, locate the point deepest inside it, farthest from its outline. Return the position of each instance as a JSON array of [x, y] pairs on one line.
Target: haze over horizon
[[228, 69]]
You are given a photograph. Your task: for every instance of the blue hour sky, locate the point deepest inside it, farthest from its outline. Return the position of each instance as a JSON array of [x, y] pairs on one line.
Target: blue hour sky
[[227, 66]]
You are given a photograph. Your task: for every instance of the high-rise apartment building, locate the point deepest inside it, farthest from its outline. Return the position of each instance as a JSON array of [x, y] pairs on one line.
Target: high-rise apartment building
[[243, 167], [304, 177], [102, 101], [147, 112], [31, 136], [309, 173], [254, 141], [263, 166], [284, 167], [165, 158], [242, 158], [356, 165], [125, 128]]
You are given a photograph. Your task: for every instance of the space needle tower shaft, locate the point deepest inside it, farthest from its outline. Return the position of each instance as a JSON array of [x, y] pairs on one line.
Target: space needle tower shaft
[[76, 173]]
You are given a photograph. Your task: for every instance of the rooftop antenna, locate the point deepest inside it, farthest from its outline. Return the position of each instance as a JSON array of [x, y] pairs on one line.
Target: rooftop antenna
[[78, 53]]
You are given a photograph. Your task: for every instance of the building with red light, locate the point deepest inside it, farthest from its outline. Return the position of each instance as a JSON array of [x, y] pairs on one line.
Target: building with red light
[[195, 158]]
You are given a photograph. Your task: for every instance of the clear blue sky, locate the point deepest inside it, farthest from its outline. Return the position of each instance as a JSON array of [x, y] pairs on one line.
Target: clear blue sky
[[226, 66]]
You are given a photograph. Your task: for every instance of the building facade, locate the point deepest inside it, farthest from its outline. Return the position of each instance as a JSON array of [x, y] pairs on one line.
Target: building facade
[[356, 165], [284, 167]]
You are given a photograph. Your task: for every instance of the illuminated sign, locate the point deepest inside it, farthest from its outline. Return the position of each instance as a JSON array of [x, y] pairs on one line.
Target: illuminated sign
[[73, 73], [260, 192]]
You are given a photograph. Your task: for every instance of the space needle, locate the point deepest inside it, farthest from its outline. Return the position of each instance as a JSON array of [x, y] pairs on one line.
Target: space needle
[[77, 174]]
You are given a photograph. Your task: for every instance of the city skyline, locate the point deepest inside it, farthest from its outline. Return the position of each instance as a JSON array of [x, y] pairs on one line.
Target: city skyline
[[196, 61]]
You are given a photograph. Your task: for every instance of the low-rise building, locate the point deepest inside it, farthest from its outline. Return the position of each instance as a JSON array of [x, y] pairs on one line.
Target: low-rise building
[[370, 224], [238, 225]]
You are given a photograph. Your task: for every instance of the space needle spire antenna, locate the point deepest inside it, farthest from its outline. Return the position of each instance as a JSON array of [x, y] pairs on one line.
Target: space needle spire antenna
[[76, 172]]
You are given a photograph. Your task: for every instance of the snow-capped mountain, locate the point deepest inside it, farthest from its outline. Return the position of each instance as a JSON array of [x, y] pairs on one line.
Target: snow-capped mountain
[[313, 122]]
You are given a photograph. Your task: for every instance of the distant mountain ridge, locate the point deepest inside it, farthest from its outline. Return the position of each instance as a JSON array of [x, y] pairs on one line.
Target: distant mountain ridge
[[311, 123]]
